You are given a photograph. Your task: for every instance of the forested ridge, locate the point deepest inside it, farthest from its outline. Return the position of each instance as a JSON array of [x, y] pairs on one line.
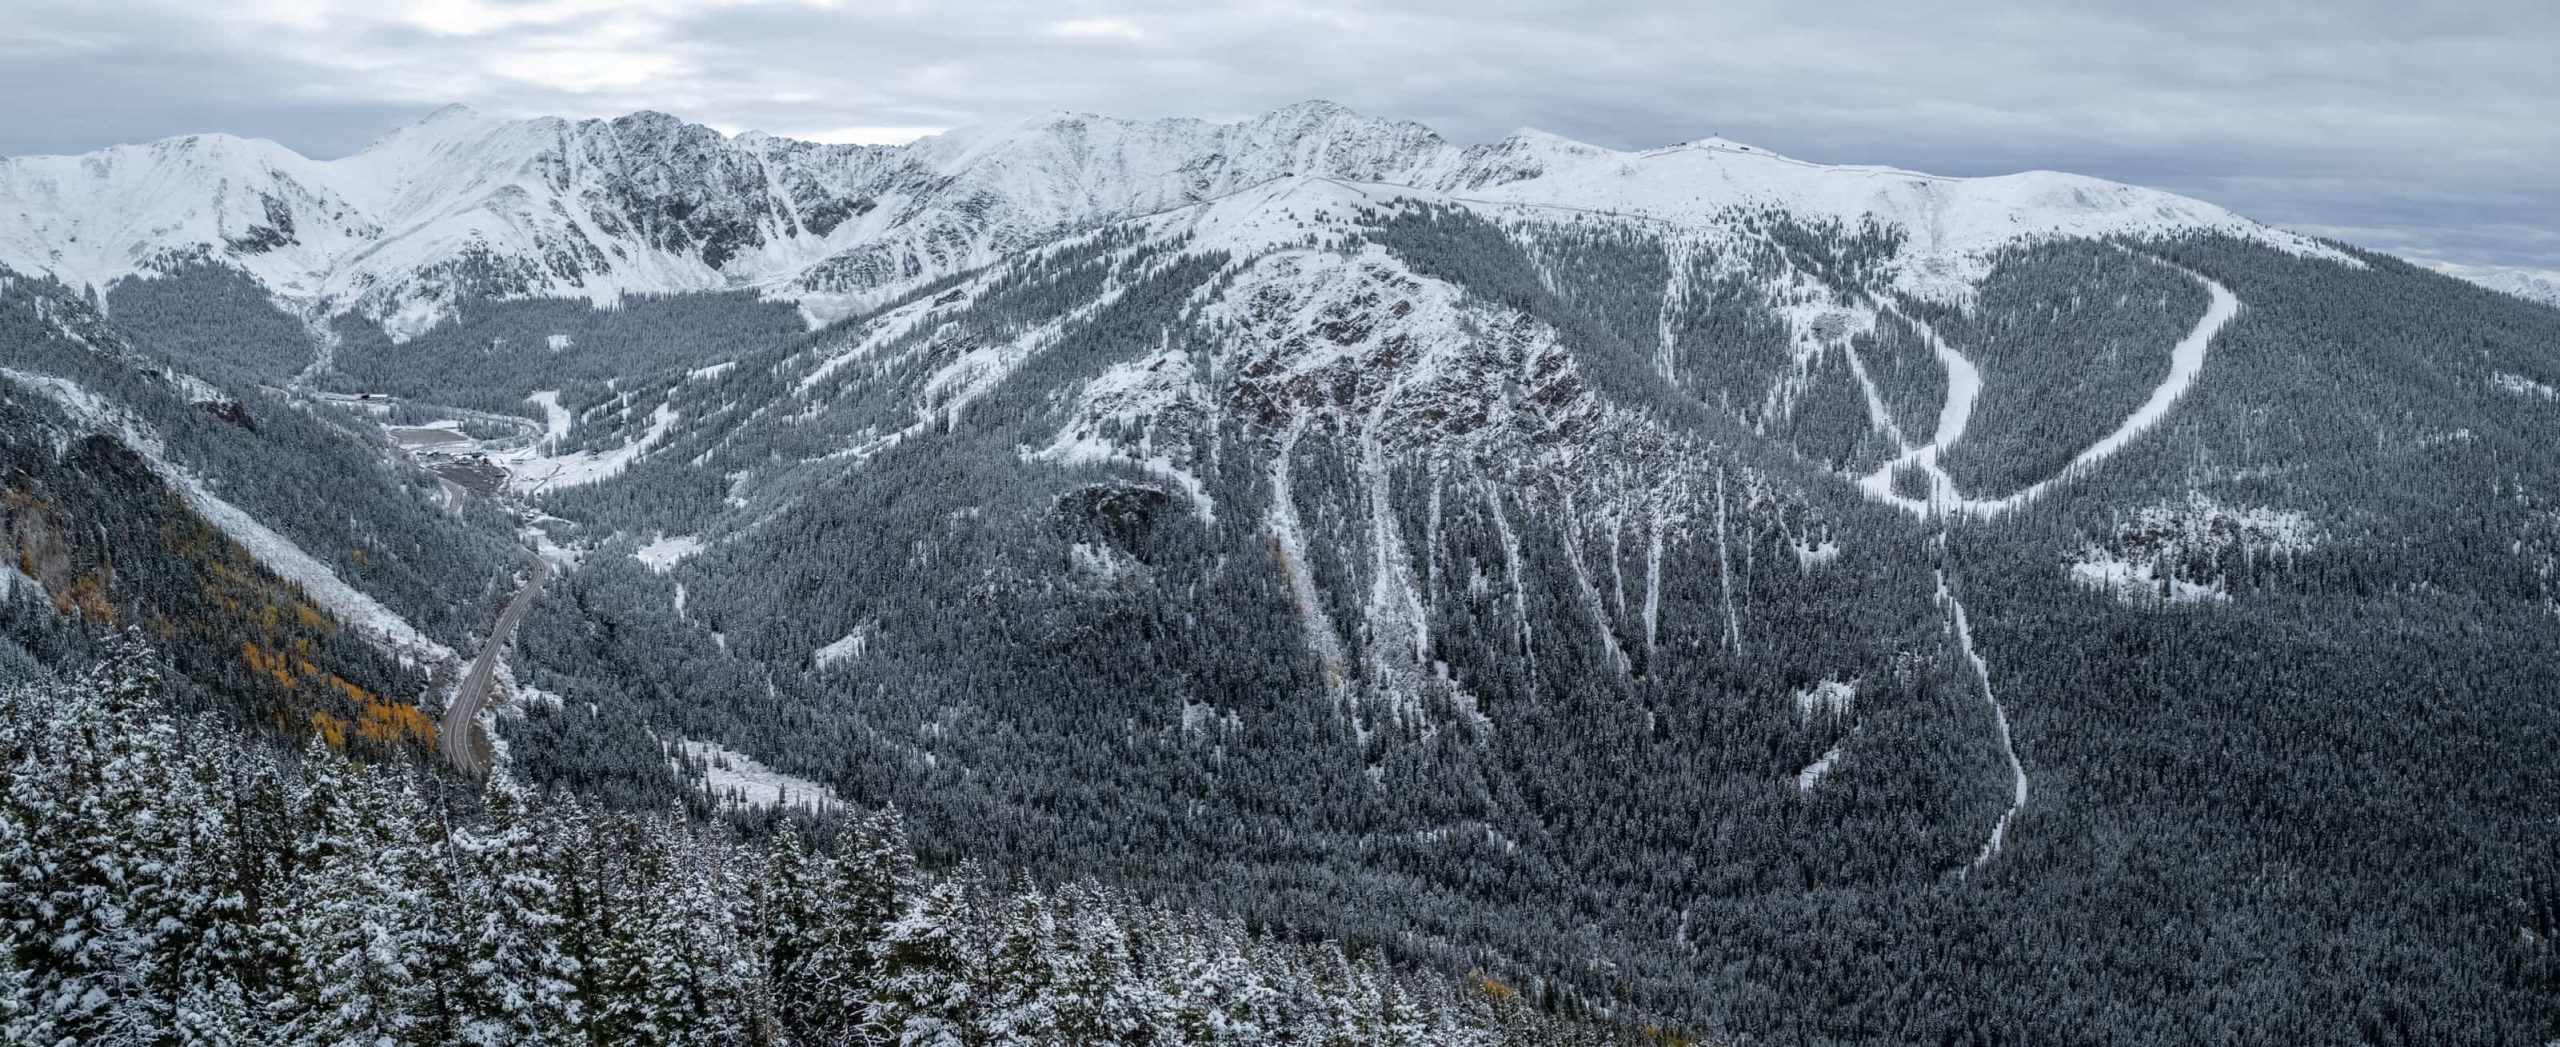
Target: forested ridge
[[163, 882], [1469, 617]]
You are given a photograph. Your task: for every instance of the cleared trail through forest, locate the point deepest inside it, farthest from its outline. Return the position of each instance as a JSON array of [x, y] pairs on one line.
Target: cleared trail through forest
[[460, 738], [1964, 385], [1962, 625]]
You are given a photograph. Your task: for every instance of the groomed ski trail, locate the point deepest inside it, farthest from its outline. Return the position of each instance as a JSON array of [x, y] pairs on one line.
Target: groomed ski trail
[[1958, 621], [1964, 384]]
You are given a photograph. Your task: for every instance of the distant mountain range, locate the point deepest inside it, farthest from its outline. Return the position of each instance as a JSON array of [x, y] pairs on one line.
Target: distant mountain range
[[463, 205], [2532, 285], [1705, 595]]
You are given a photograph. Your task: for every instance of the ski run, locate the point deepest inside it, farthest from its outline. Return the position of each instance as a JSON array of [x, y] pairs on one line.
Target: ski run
[[1964, 385], [1962, 625]]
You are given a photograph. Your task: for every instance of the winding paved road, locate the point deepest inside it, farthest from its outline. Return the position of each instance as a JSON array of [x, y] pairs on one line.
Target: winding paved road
[[459, 738]]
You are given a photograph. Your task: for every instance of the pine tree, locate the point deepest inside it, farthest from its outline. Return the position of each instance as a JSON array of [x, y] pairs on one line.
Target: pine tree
[[80, 845], [1097, 995], [361, 911], [928, 994], [516, 987]]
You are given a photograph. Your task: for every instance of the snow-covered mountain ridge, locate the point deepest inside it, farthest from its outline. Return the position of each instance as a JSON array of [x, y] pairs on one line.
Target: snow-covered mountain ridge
[[2532, 285], [461, 204]]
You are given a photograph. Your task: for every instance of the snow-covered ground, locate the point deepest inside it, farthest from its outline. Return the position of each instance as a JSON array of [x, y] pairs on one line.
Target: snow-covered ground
[[2520, 385], [1813, 773], [377, 230], [1962, 626], [1830, 699], [664, 552], [2145, 560], [738, 781], [2532, 285], [556, 419], [844, 649], [529, 472], [1138, 397]]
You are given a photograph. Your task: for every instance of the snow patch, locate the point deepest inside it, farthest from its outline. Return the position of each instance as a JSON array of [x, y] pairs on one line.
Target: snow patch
[[2176, 553], [1831, 699], [1811, 554], [2519, 385], [737, 781], [530, 472], [666, 551], [556, 418], [850, 648], [1812, 774]]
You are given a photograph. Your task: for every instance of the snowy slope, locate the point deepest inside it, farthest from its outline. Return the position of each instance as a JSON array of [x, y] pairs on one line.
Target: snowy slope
[[1951, 224], [347, 603], [2532, 285], [465, 204]]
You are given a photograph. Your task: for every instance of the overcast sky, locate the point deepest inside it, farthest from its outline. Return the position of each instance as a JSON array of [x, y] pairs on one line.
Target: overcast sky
[[2429, 129]]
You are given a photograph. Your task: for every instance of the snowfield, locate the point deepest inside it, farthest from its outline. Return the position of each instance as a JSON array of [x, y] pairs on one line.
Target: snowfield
[[664, 552]]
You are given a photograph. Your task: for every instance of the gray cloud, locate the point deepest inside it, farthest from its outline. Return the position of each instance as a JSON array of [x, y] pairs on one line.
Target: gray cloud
[[2424, 129]]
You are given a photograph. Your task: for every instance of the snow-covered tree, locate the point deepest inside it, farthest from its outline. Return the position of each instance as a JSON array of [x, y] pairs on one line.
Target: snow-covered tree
[[517, 988]]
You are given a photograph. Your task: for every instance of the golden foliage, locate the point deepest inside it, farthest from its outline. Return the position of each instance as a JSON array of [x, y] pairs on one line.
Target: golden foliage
[[391, 723], [87, 594], [376, 719], [331, 729], [273, 663]]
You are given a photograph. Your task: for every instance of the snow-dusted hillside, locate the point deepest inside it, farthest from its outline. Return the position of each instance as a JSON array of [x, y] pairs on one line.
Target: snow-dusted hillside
[[2532, 285], [465, 204]]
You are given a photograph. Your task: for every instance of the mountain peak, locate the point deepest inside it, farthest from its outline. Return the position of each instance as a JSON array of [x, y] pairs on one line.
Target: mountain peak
[[448, 112], [687, 207], [1313, 108]]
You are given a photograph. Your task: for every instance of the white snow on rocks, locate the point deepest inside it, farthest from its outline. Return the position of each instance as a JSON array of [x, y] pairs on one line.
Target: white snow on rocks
[[389, 230], [1141, 413]]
